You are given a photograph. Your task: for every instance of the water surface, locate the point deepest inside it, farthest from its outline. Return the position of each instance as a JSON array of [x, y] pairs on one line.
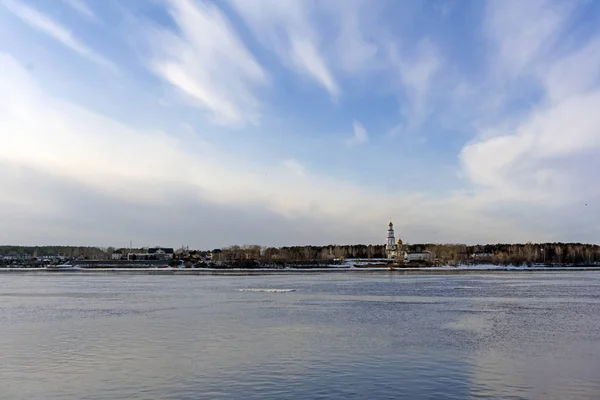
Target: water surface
[[340, 336]]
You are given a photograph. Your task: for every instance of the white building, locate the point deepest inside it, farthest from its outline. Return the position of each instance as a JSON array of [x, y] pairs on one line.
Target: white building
[[419, 256], [153, 253], [161, 253], [390, 245]]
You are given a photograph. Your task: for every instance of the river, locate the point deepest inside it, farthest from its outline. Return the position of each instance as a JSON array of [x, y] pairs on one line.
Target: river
[[509, 335]]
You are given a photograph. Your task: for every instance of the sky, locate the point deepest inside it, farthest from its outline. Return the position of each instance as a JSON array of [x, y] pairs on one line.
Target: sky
[[294, 122]]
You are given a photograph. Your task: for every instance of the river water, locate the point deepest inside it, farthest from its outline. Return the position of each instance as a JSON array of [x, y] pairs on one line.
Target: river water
[[337, 336]]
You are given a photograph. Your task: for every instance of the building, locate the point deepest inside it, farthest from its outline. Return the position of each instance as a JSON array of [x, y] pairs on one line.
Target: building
[[391, 247], [153, 253], [161, 253], [396, 250], [117, 255], [419, 256]]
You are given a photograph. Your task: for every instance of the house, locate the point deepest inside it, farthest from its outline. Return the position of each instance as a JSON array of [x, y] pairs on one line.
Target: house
[[153, 253], [419, 256], [161, 253], [117, 255]]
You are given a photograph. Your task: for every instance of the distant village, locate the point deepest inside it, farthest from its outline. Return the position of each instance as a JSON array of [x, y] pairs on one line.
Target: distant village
[[392, 253]]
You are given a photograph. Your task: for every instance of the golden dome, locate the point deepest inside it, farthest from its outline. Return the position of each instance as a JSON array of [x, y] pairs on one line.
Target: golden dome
[[390, 224]]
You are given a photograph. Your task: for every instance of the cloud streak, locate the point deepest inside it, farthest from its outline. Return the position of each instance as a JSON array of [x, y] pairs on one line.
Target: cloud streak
[[286, 28], [207, 62], [82, 8], [416, 74], [521, 38], [44, 24]]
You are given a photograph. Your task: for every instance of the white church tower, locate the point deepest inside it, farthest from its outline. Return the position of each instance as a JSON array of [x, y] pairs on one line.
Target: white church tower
[[390, 246]]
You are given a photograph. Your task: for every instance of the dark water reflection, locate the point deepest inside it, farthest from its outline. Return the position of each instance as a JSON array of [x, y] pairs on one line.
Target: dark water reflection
[[507, 336]]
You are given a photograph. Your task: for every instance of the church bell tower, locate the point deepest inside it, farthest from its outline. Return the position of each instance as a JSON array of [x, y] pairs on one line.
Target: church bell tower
[[390, 246]]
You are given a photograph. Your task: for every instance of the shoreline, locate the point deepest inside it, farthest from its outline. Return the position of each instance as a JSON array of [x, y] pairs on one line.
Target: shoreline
[[296, 271]]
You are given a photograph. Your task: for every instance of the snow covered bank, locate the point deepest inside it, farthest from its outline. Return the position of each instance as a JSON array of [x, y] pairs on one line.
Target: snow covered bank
[[332, 269]]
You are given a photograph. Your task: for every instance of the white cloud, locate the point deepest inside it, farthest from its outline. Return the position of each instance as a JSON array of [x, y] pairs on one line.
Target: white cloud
[[359, 136], [286, 28], [53, 29], [82, 8], [208, 63], [545, 158], [574, 74], [103, 156], [548, 155], [135, 167], [528, 169]]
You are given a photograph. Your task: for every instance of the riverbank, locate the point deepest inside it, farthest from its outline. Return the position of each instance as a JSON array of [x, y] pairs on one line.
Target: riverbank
[[443, 270]]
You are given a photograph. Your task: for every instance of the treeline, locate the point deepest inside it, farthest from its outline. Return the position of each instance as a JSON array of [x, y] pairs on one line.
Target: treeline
[[513, 254], [453, 254], [536, 253], [49, 251], [505, 254], [291, 254]]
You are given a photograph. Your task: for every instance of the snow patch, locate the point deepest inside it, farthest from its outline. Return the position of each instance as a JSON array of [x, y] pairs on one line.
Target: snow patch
[[472, 323]]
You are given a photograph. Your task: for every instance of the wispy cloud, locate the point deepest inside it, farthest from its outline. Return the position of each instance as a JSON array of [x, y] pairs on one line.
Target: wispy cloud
[[359, 135], [58, 32], [353, 42], [523, 31], [305, 55], [416, 71], [285, 27], [208, 63], [82, 8]]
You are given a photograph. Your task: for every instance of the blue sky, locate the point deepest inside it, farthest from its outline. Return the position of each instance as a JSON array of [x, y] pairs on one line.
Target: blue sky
[[212, 123]]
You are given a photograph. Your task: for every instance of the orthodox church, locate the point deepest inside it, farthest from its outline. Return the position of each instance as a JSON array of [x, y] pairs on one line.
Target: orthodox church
[[393, 249]]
